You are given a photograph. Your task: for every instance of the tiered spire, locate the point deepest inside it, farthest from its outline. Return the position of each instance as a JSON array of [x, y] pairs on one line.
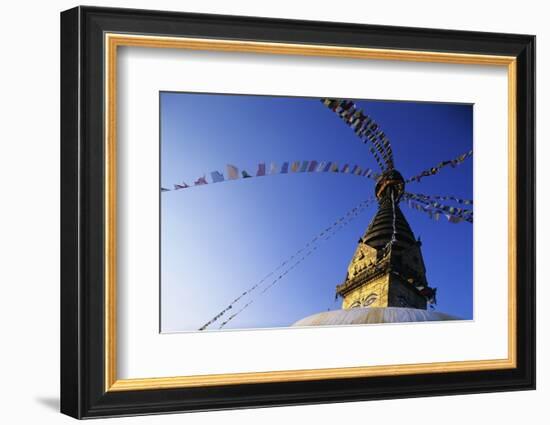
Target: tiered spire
[[387, 269]]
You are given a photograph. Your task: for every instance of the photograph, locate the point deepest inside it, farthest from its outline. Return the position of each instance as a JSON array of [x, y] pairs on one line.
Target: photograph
[[285, 212], [244, 197]]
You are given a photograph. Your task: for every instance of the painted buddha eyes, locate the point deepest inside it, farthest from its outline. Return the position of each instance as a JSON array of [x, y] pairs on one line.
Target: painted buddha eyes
[[365, 301]]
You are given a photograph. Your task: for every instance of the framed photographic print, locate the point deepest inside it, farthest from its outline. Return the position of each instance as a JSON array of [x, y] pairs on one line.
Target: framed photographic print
[[261, 212]]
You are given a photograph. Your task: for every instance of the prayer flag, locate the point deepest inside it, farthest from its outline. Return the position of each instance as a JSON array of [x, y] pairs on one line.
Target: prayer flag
[[284, 168], [200, 181], [216, 176], [245, 174], [181, 186], [294, 167], [261, 169], [273, 168], [312, 166], [232, 172], [453, 218], [304, 166]]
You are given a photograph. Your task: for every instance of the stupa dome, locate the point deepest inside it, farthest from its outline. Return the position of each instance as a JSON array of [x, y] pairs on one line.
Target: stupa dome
[[360, 316]]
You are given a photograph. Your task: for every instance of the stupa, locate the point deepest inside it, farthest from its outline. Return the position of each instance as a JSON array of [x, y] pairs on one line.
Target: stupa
[[386, 277]]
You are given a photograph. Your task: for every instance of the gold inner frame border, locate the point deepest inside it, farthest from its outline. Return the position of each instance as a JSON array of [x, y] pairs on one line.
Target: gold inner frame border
[[113, 40]]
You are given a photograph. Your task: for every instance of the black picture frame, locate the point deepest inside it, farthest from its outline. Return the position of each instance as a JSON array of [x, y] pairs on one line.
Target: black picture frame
[[83, 392]]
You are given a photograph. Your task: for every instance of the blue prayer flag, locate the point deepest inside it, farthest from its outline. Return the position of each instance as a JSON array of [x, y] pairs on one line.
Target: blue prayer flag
[[284, 168], [216, 176]]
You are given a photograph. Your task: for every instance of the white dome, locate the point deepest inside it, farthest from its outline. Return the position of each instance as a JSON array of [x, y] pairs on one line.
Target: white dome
[[358, 316]]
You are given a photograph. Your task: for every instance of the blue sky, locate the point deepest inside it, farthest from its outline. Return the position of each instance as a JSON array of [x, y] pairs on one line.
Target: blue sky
[[219, 239]]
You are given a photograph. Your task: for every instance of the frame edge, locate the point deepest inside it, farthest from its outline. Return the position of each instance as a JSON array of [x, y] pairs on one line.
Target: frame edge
[[80, 397], [70, 349]]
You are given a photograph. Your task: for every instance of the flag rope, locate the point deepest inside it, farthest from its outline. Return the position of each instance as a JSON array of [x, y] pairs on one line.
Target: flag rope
[[287, 167], [362, 205], [365, 128], [434, 204], [316, 239], [434, 209], [442, 198], [355, 212], [434, 170]]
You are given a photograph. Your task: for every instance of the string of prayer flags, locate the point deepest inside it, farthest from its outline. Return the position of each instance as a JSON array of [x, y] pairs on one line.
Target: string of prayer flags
[[464, 213], [374, 139], [296, 257], [436, 204], [235, 314], [299, 257], [282, 275], [435, 209], [377, 158], [339, 224], [230, 306], [434, 170], [435, 214], [443, 198], [234, 173], [365, 128]]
